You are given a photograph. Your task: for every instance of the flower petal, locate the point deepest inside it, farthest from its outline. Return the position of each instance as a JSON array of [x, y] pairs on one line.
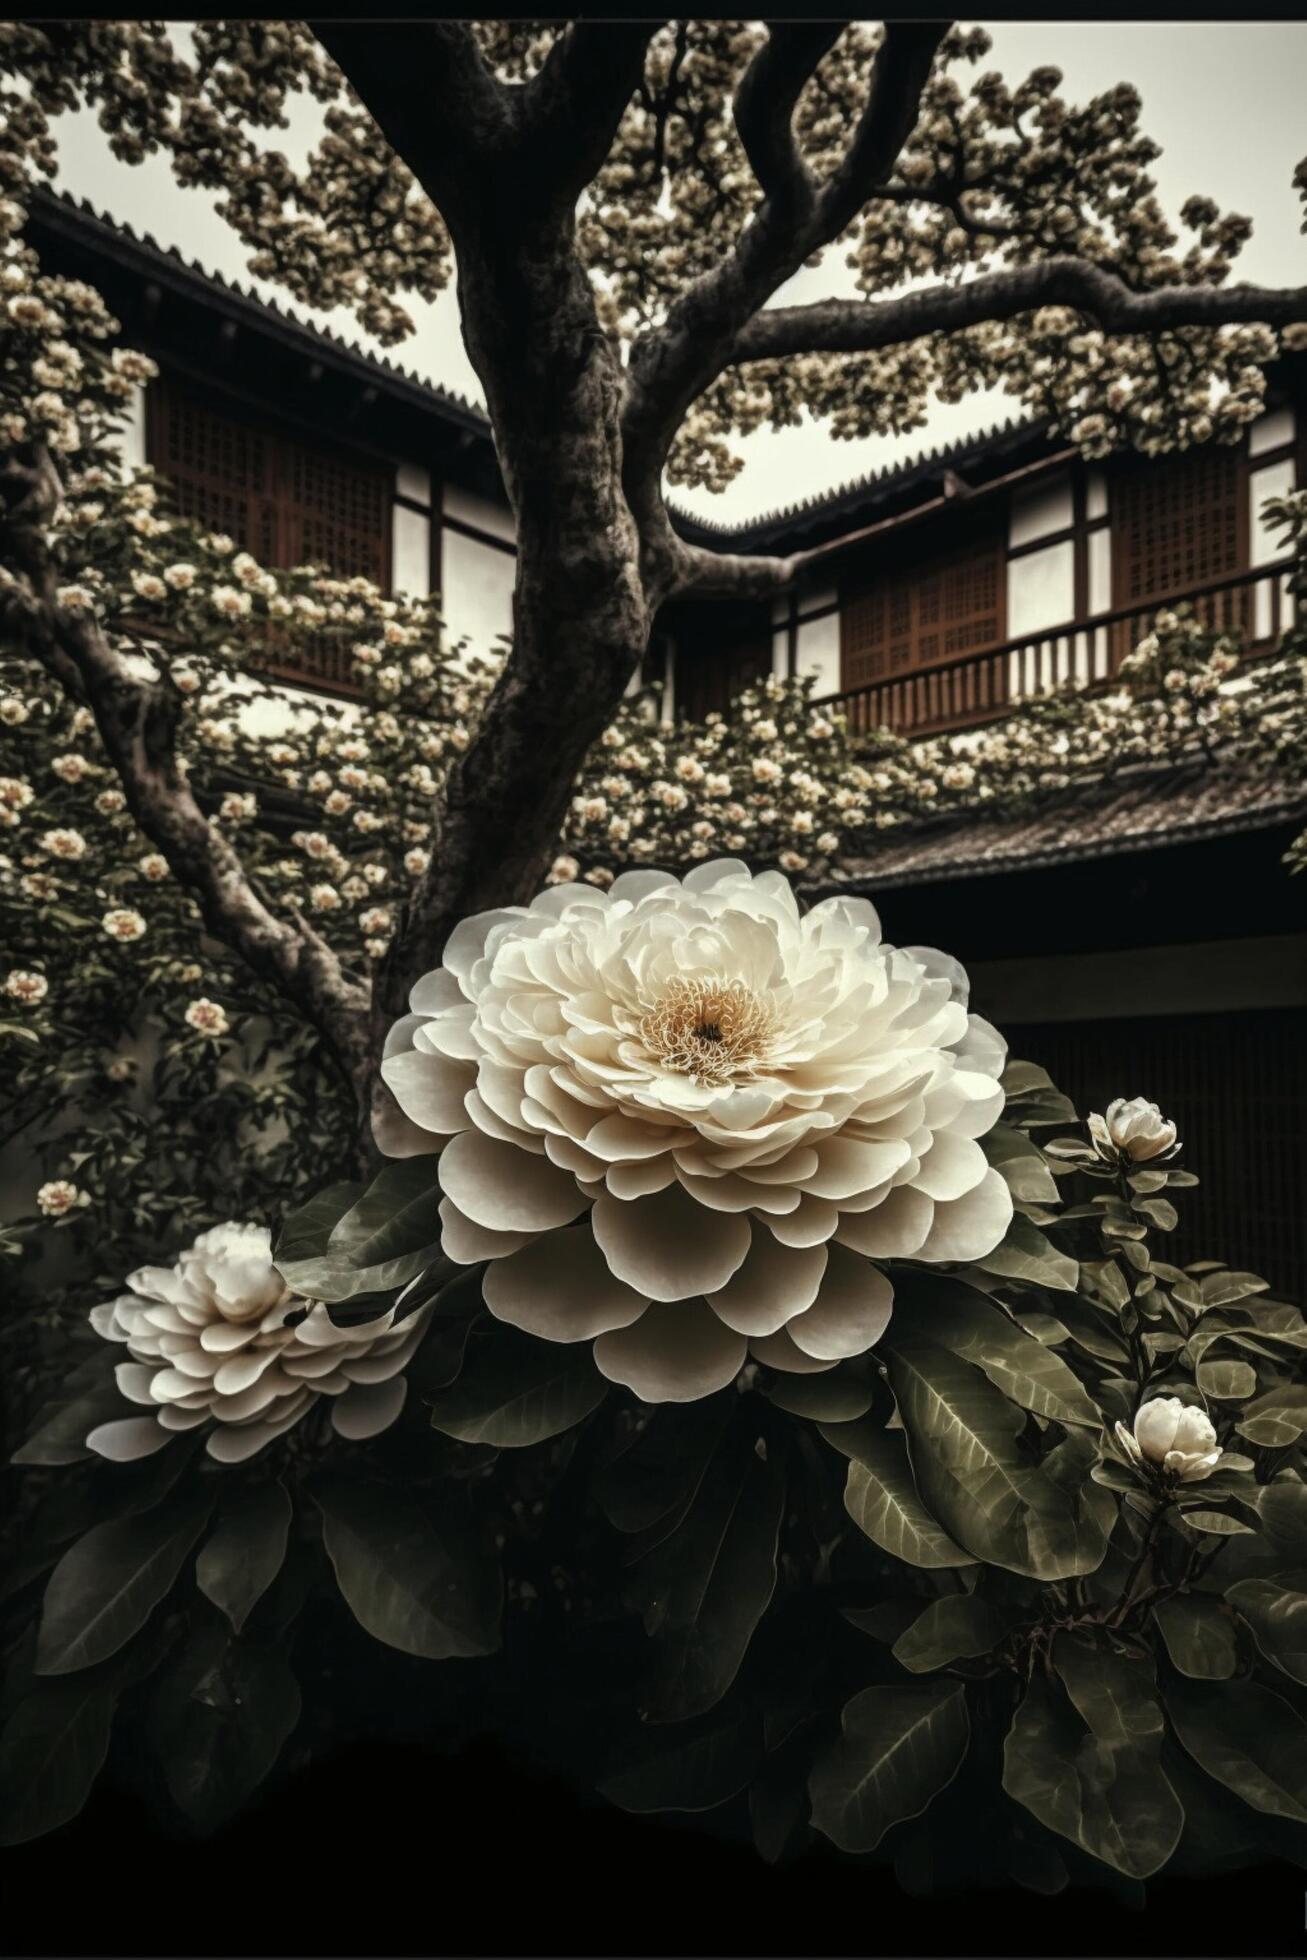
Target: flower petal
[[774, 1283], [778, 1351], [970, 1226], [430, 1089], [560, 1288], [894, 1230], [851, 1311], [677, 1351], [128, 1438], [668, 1247], [366, 1408], [506, 1189], [467, 1244]]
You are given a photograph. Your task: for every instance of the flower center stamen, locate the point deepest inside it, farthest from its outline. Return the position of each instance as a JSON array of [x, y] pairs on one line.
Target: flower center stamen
[[715, 1031]]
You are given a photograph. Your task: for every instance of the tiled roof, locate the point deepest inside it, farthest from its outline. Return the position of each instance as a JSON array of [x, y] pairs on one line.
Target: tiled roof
[[50, 207], [61, 210], [1175, 806]]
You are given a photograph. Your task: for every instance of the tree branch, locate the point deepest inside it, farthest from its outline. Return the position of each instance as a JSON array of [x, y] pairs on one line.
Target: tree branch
[[839, 326], [568, 114], [673, 364], [137, 720]]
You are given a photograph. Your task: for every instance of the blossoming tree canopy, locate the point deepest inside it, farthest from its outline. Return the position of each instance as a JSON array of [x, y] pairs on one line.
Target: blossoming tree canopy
[[624, 200], [741, 1106]]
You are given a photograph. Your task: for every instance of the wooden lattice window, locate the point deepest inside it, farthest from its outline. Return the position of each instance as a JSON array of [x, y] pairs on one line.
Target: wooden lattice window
[[707, 682], [285, 501], [925, 615], [1178, 523]]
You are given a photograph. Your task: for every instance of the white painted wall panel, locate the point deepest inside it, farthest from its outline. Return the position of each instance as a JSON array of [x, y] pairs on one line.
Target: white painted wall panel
[[478, 511], [1096, 495], [477, 595], [1041, 589], [1272, 480], [410, 545], [413, 482], [1040, 510], [1100, 571], [819, 652], [780, 652], [133, 432], [1270, 431]]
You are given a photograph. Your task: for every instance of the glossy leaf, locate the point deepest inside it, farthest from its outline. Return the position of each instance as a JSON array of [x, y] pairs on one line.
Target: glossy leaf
[[1199, 1636], [399, 1213], [657, 1474], [972, 1473], [1027, 1254], [1248, 1738], [1276, 1610], [514, 1391], [1088, 1765], [221, 1715], [950, 1314], [881, 1497], [1020, 1163], [106, 1586], [898, 1748], [691, 1773], [958, 1627], [703, 1589], [51, 1752], [244, 1554], [414, 1579]]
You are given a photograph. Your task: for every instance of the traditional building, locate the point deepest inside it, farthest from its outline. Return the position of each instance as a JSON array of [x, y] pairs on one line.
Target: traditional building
[[1150, 944]]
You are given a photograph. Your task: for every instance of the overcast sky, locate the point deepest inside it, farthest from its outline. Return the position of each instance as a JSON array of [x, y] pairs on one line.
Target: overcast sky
[[1224, 99]]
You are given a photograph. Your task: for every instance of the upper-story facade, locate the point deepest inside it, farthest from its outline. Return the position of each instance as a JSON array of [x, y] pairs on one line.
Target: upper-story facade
[[929, 596]]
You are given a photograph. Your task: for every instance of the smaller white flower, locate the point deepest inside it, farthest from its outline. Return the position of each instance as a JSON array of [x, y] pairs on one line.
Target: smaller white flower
[[153, 866], [207, 1017], [61, 1196], [121, 922], [64, 843], [1136, 1130], [29, 988], [1169, 1432]]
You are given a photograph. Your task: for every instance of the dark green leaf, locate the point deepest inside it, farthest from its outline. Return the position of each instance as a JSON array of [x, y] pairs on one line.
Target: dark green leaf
[[51, 1753], [898, 1747], [1248, 1738], [973, 1473], [1228, 1381], [515, 1390], [957, 1627], [399, 1213], [1090, 1768], [244, 1554], [418, 1583], [1219, 1288], [840, 1395], [306, 1232], [882, 1499], [1276, 1610], [695, 1772], [1026, 1254], [106, 1586], [221, 1715], [61, 1438], [1021, 1165], [704, 1588], [1199, 1636], [656, 1476], [950, 1314]]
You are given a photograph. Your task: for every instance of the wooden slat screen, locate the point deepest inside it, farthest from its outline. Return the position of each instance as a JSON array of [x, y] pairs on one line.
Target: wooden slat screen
[[286, 502], [707, 680], [1236, 1084], [1176, 523], [950, 607]]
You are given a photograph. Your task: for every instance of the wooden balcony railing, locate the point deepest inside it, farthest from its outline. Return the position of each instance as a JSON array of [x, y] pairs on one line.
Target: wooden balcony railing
[[1256, 607]]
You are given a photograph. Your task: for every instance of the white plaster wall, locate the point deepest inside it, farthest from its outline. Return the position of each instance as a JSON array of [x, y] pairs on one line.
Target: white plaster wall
[[780, 652], [1270, 431], [410, 546], [1041, 593], [1039, 510], [1272, 480], [476, 599], [133, 432], [1096, 495], [413, 482], [478, 511], [819, 652]]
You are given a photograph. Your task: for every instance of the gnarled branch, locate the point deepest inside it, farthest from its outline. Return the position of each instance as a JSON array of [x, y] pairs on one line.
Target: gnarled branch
[[138, 719], [839, 326]]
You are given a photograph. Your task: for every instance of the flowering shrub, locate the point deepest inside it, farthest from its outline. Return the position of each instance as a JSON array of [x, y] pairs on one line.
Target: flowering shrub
[[1043, 1524]]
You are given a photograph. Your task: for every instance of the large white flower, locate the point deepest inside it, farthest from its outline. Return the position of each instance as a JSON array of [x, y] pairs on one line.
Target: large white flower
[[219, 1338], [680, 1120]]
